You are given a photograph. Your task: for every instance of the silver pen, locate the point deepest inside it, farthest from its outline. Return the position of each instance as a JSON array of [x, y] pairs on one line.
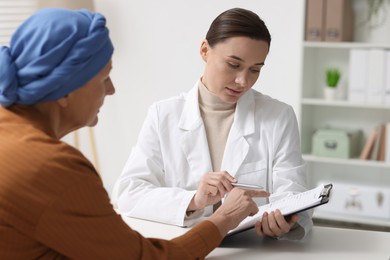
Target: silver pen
[[247, 186]]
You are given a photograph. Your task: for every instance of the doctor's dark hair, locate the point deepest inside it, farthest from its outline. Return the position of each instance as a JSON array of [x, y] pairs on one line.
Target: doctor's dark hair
[[237, 22]]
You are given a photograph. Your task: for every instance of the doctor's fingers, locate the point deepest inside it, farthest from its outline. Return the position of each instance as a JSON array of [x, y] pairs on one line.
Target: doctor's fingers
[[222, 180], [223, 176], [260, 231], [222, 187], [292, 220], [265, 230], [259, 228], [275, 225], [211, 190]]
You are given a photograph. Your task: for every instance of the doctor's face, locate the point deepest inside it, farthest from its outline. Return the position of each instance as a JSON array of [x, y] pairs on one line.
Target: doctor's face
[[232, 66]]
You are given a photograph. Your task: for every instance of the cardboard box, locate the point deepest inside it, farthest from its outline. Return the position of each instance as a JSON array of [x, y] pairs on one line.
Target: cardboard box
[[336, 143], [315, 19], [339, 21]]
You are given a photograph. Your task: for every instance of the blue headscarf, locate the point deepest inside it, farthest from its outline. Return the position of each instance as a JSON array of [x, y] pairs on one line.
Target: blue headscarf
[[53, 53]]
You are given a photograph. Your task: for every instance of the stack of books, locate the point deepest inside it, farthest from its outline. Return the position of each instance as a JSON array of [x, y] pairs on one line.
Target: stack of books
[[377, 146], [329, 20]]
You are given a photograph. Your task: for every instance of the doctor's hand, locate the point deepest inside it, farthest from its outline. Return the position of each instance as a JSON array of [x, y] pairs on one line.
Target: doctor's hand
[[212, 188], [237, 206], [274, 224]]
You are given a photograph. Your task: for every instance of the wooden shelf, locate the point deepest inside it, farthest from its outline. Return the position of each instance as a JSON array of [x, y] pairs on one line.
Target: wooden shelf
[[319, 113], [342, 103], [344, 45], [355, 162]]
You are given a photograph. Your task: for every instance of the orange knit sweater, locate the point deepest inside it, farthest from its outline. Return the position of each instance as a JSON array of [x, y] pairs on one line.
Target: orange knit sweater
[[53, 204]]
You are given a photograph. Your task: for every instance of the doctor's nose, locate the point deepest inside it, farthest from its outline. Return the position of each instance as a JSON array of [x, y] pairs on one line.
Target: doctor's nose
[[241, 80]]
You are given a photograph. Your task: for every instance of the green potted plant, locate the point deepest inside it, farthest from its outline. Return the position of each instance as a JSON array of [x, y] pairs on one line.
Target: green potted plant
[[333, 76]]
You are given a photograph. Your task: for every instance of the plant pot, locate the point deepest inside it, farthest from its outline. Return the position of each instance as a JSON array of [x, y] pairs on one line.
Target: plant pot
[[330, 93]]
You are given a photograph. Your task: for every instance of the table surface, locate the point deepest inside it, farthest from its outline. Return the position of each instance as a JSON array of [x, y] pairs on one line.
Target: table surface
[[320, 244]]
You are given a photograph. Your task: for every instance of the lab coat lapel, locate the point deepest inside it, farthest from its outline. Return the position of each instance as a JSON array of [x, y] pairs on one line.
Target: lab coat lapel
[[194, 141], [237, 146]]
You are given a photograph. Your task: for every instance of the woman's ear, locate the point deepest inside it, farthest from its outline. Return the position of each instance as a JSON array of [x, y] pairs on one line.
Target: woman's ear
[[204, 49], [63, 102]]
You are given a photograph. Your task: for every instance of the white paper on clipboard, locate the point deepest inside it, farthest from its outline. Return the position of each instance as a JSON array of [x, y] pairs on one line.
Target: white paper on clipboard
[[289, 205]]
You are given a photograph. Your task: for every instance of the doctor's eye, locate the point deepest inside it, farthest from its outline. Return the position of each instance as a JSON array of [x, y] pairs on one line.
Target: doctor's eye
[[233, 65]]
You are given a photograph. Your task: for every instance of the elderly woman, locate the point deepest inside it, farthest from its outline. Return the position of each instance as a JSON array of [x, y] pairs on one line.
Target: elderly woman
[[53, 80]]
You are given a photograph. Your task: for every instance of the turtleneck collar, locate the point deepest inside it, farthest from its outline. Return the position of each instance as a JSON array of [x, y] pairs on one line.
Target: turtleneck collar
[[212, 101]]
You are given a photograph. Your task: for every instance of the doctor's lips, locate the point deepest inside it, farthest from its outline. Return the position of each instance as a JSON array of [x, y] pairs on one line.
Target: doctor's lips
[[234, 92]]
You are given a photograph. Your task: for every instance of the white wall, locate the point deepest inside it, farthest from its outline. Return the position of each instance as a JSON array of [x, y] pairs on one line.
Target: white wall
[[157, 56]]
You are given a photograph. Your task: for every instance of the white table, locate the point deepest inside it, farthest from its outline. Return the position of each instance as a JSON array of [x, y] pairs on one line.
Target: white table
[[322, 243]]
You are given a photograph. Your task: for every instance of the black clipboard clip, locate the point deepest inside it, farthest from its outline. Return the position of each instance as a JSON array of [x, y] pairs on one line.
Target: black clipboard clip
[[325, 193]]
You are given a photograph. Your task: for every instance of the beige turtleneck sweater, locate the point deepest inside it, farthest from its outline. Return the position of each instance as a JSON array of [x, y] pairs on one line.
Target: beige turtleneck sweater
[[217, 118]]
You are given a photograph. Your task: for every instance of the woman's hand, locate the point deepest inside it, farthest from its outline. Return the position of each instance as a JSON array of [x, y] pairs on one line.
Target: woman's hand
[[236, 207], [212, 188], [275, 224]]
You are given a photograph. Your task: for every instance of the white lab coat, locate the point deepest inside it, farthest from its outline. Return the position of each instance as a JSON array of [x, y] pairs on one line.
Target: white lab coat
[[165, 167]]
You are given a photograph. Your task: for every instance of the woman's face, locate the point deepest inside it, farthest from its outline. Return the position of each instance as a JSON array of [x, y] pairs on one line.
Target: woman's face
[[88, 99], [232, 66]]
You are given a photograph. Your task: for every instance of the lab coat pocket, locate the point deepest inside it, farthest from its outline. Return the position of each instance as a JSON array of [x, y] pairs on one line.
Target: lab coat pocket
[[253, 173]]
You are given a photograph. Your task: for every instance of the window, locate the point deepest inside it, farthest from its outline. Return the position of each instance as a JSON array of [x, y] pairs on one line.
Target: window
[[12, 14]]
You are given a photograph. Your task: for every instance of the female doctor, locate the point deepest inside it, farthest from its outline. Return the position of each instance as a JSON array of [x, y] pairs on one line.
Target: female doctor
[[192, 147]]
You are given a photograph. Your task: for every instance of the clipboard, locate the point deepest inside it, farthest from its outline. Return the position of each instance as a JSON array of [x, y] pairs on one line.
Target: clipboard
[[289, 205]]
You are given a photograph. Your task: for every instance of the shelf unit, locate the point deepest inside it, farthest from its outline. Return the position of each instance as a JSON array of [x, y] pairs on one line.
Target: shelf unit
[[317, 113]]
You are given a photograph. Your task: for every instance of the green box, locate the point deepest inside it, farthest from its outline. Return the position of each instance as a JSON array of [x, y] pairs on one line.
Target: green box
[[337, 143]]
